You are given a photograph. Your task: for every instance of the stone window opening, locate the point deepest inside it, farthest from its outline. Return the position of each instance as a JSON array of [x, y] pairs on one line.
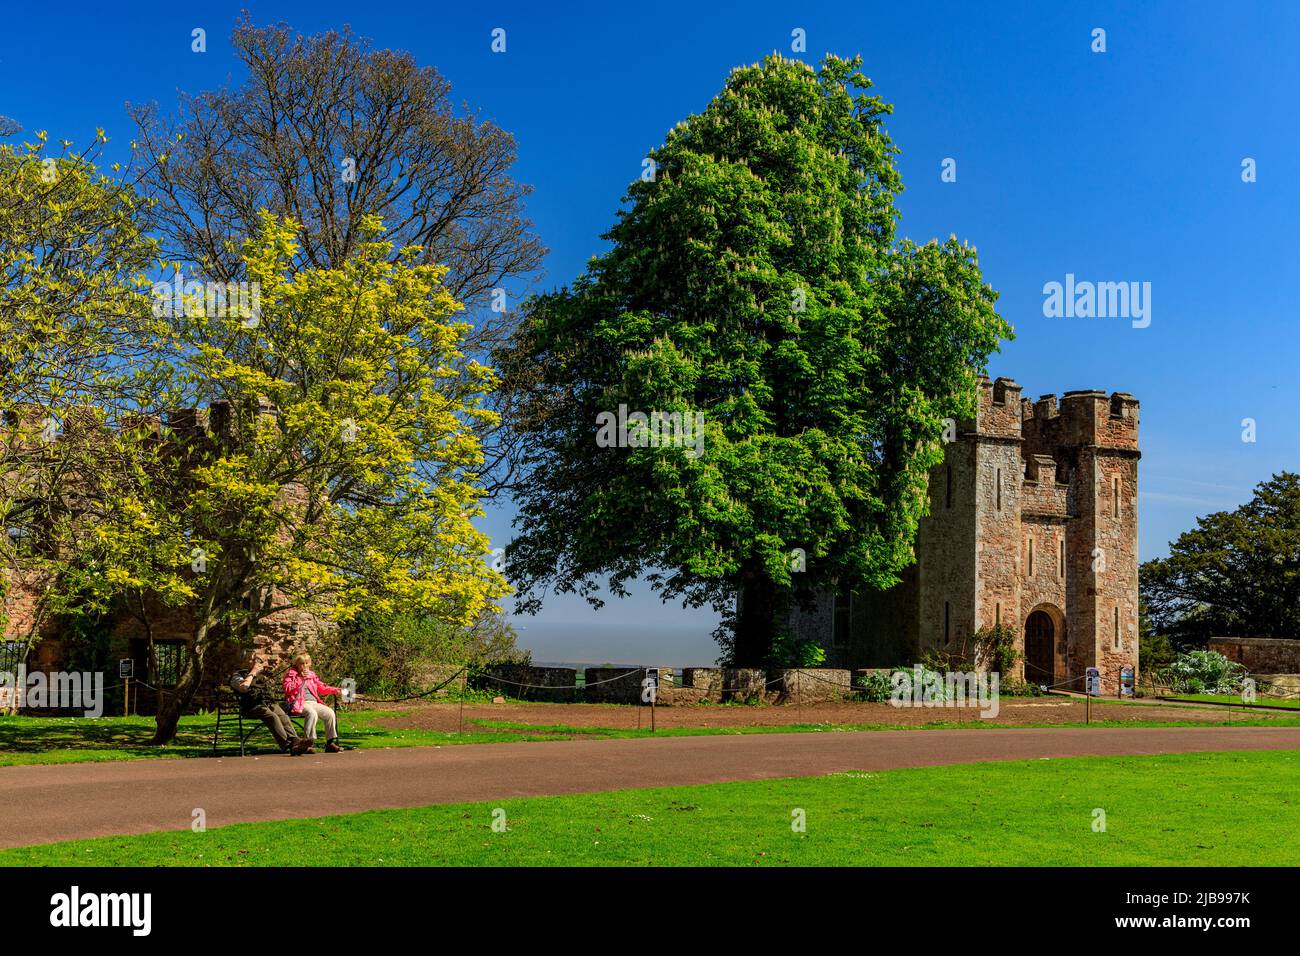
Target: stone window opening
[[1117, 644], [1114, 485], [998, 483], [1061, 570], [843, 615], [1031, 557], [997, 614]]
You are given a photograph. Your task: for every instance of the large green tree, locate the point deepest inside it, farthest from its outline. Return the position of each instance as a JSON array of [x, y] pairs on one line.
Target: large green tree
[[755, 279], [1237, 573]]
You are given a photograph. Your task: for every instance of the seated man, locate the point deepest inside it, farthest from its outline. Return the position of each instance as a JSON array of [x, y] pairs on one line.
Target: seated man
[[257, 698]]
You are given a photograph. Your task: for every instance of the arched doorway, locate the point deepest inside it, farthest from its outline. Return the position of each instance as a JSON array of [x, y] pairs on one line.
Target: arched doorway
[[1040, 648]]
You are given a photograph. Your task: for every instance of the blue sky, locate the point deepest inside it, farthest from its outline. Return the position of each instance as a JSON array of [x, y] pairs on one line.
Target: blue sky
[[1115, 166]]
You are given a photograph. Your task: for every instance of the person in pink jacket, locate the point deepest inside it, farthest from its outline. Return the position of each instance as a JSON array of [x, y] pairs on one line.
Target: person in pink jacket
[[305, 693]]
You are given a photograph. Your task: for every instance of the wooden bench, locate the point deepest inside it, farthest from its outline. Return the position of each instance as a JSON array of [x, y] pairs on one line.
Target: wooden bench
[[228, 710]]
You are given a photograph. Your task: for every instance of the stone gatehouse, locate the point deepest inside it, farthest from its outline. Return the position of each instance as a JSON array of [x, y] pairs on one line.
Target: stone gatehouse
[[1033, 525]]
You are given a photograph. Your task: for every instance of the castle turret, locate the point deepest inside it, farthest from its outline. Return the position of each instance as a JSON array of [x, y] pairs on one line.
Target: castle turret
[[1098, 435]]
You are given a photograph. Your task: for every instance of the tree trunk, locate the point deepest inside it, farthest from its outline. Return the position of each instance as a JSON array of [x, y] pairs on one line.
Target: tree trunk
[[173, 703], [755, 621]]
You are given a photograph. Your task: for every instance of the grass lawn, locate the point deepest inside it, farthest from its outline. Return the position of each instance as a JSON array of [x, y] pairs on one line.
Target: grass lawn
[[1212, 809], [45, 740], [50, 740], [1290, 703]]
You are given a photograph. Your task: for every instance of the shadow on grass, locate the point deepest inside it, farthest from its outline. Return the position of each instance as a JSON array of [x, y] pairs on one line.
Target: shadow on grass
[[25, 740]]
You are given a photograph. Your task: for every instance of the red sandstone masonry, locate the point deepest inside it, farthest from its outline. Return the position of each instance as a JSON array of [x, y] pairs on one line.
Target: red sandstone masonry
[[1054, 473]]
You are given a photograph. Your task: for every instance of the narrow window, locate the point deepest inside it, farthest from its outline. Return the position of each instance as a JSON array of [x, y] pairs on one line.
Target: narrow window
[[843, 615], [1114, 485], [948, 490], [1031, 557], [997, 615], [999, 483], [947, 636], [1061, 572], [1116, 627]]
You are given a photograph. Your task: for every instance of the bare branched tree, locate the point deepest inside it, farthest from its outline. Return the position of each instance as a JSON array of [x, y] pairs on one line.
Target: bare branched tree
[[325, 129]]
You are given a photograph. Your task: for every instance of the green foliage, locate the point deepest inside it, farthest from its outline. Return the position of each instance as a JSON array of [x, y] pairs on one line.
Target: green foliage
[[339, 473], [875, 687], [1155, 650], [1236, 574], [754, 280], [995, 648], [791, 651], [1196, 672]]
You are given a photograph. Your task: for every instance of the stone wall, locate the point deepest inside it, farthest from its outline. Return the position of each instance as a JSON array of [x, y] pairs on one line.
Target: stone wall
[[553, 684], [1260, 655], [613, 685], [809, 685]]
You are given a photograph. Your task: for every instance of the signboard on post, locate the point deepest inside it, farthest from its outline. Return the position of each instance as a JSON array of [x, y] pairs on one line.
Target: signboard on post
[[1126, 682], [650, 685], [125, 668], [1092, 682]]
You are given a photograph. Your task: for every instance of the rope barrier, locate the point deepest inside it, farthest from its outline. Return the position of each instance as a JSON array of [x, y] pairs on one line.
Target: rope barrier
[[750, 688]]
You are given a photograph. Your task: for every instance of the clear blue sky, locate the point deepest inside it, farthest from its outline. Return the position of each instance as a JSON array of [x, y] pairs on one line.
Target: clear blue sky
[[1117, 166]]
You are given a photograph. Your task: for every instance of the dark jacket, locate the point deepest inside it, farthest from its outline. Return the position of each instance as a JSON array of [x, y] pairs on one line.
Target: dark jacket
[[260, 693]]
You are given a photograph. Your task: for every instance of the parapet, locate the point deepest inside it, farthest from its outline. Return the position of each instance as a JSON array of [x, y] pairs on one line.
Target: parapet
[[999, 411], [1086, 417]]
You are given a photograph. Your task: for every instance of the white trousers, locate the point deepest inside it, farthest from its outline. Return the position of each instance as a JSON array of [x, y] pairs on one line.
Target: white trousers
[[312, 712]]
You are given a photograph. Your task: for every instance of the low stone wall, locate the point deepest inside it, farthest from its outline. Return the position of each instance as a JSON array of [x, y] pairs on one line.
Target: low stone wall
[[742, 683], [553, 684], [1260, 655], [613, 685], [807, 685], [1278, 685], [707, 679]]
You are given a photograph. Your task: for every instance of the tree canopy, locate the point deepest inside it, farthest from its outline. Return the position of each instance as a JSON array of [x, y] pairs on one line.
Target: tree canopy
[[1236, 574], [753, 283], [325, 130], [332, 474]]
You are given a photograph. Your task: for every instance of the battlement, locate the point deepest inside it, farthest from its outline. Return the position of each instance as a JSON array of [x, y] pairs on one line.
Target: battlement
[[1087, 417], [998, 412]]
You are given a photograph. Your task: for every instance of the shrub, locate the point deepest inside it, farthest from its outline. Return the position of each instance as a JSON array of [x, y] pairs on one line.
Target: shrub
[[875, 687], [995, 648], [791, 651], [1197, 672]]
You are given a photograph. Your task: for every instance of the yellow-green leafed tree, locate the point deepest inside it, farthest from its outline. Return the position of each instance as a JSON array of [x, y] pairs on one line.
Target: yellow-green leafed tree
[[337, 469], [76, 333]]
